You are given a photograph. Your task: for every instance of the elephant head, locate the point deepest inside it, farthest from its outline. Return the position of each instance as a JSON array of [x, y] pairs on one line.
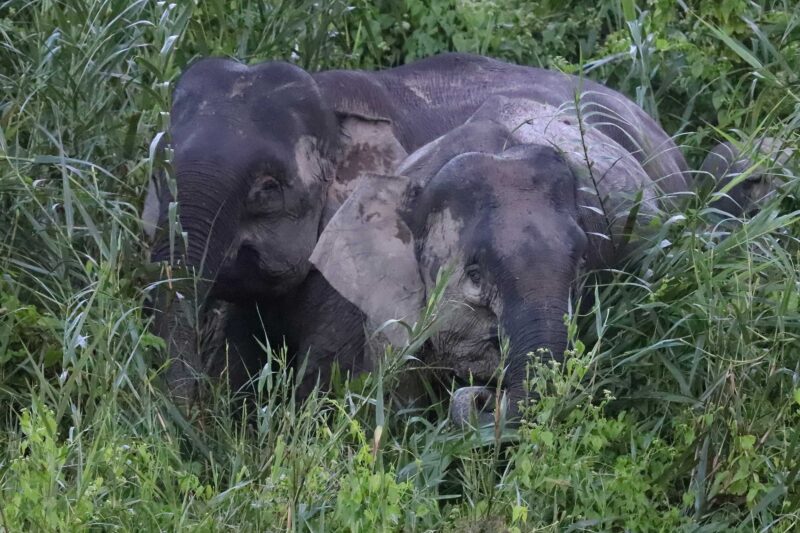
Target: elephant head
[[259, 155], [508, 217], [728, 162]]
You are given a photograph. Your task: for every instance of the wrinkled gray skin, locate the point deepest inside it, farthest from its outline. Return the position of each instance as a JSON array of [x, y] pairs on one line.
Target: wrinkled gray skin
[[726, 162], [264, 155], [505, 203]]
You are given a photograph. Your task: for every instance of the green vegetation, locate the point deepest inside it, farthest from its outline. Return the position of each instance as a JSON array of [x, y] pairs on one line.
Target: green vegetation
[[680, 406]]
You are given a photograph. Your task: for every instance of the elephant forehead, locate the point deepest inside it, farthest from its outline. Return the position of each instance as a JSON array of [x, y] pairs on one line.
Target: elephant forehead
[[528, 219], [503, 202], [243, 85], [230, 77], [271, 99], [522, 168]]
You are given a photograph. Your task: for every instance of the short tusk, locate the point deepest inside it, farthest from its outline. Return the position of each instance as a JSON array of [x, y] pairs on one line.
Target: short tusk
[[475, 405]]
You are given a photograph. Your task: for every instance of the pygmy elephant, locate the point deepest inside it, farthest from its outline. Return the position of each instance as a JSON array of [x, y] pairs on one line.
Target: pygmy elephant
[[744, 174], [264, 155], [515, 203]]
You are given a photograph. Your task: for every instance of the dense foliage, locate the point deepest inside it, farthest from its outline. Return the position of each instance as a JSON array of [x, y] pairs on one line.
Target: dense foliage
[[680, 405]]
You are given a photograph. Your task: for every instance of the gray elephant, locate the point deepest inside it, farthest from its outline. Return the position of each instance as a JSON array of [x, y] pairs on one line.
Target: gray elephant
[[760, 159], [264, 155], [516, 203]]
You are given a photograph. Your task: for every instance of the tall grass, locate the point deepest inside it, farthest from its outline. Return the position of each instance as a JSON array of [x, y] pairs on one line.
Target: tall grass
[[679, 408]]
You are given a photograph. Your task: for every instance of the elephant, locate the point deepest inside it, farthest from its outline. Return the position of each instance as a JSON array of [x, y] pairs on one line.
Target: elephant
[[515, 203], [761, 158], [263, 156]]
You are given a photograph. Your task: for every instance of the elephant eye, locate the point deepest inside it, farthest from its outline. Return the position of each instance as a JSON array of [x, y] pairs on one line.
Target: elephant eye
[[264, 195], [474, 274], [268, 183]]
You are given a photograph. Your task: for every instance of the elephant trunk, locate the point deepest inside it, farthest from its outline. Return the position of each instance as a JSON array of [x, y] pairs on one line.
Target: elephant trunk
[[535, 329], [181, 335], [202, 197], [205, 198]]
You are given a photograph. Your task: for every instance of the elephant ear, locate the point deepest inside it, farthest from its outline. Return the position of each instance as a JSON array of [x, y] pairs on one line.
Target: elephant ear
[[368, 145], [366, 253]]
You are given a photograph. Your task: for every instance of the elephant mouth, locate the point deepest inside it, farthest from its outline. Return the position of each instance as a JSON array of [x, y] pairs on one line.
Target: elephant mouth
[[491, 341], [481, 398], [247, 276], [467, 359]]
